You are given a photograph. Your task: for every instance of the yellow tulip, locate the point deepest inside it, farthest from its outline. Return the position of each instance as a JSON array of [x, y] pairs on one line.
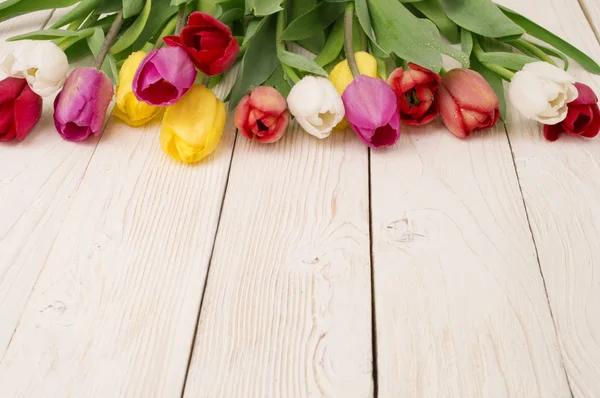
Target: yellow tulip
[[192, 128], [341, 76], [127, 107]]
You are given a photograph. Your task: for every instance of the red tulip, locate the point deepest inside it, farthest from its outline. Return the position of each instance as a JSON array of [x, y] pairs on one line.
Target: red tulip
[[467, 102], [263, 115], [583, 117], [415, 89], [209, 43], [20, 109]]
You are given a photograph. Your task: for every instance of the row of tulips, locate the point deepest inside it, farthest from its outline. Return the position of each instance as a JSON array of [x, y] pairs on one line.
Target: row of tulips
[[164, 83]]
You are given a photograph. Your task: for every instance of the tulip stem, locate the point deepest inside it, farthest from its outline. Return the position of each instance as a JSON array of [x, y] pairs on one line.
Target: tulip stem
[[109, 40], [180, 19], [500, 71], [349, 39], [288, 70], [525, 46], [167, 30]]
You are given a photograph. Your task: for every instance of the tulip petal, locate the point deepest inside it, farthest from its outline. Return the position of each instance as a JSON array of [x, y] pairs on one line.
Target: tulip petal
[[552, 132], [6, 119], [268, 100], [450, 113], [369, 102], [546, 71], [27, 111], [586, 95], [470, 89], [10, 88]]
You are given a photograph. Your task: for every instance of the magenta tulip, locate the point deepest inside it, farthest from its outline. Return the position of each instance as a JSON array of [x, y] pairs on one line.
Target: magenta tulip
[[80, 107], [20, 109], [372, 111], [164, 76]]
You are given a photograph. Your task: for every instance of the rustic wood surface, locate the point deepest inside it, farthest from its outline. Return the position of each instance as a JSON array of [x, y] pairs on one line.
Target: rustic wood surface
[[307, 268]]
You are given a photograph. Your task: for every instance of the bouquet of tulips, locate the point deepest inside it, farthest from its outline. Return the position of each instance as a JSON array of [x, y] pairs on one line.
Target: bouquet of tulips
[[368, 65]]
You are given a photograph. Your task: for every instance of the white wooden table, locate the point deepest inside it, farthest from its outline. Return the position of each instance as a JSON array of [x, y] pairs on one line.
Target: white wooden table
[[438, 268]]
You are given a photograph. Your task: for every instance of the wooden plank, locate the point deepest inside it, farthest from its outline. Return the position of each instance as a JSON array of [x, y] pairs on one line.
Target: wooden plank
[[460, 304], [561, 184], [287, 307], [591, 9], [114, 310]]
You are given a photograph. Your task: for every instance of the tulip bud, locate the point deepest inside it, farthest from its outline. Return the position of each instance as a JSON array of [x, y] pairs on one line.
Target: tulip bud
[[20, 109], [415, 89], [341, 76], [42, 63], [164, 76], [583, 117], [127, 107], [541, 91], [192, 128], [372, 111], [79, 109], [316, 105], [263, 115], [467, 102]]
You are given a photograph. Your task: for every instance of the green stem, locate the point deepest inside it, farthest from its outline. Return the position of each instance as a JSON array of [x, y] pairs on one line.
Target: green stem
[[168, 30], [181, 18], [288, 70], [500, 71], [349, 40], [533, 49], [363, 40], [111, 36]]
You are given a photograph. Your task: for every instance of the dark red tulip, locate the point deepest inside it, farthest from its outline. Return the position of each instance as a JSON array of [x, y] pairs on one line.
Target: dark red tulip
[[20, 109]]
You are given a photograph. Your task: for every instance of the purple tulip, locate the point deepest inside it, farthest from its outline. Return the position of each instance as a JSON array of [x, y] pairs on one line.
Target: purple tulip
[[80, 107], [372, 111], [164, 76]]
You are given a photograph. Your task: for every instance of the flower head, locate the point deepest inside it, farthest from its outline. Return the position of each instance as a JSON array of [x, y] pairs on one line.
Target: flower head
[[467, 102], [79, 109], [209, 43], [192, 128], [164, 76], [372, 111], [20, 109], [263, 115], [541, 91], [127, 107], [42, 63], [583, 116], [415, 89], [316, 105]]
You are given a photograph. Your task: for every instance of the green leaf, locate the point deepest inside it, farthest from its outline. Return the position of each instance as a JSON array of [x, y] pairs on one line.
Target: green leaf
[[263, 7], [208, 6], [412, 39], [81, 10], [302, 63], [548, 37], [495, 81], [67, 42], [48, 34], [482, 17], [109, 6], [334, 45], [259, 62], [132, 7], [512, 61], [78, 51], [109, 65], [133, 32], [279, 82], [433, 10], [316, 19], [554, 53], [364, 18], [13, 8], [466, 41], [176, 3], [160, 13]]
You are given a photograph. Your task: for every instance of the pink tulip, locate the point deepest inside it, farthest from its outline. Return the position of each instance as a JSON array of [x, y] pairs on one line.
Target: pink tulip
[[262, 114], [372, 111], [467, 102], [164, 76], [20, 109], [80, 107]]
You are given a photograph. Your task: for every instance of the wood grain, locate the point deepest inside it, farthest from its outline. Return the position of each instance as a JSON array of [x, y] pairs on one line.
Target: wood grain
[[114, 309], [460, 304], [561, 184], [287, 307], [591, 9]]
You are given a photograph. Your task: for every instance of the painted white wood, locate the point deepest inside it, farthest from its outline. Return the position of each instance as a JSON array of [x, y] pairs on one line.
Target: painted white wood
[[591, 9], [287, 311], [460, 304], [561, 186], [121, 273]]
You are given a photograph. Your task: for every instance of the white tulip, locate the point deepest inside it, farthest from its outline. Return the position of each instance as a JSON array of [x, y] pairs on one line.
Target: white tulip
[[42, 63], [541, 91], [316, 105]]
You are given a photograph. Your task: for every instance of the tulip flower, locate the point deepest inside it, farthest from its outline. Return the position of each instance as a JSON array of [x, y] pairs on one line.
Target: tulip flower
[[192, 128], [208, 42], [164, 76], [316, 105], [42, 63], [372, 111], [583, 116], [541, 91], [127, 107], [467, 102], [20, 109], [79, 109], [263, 115], [415, 89]]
